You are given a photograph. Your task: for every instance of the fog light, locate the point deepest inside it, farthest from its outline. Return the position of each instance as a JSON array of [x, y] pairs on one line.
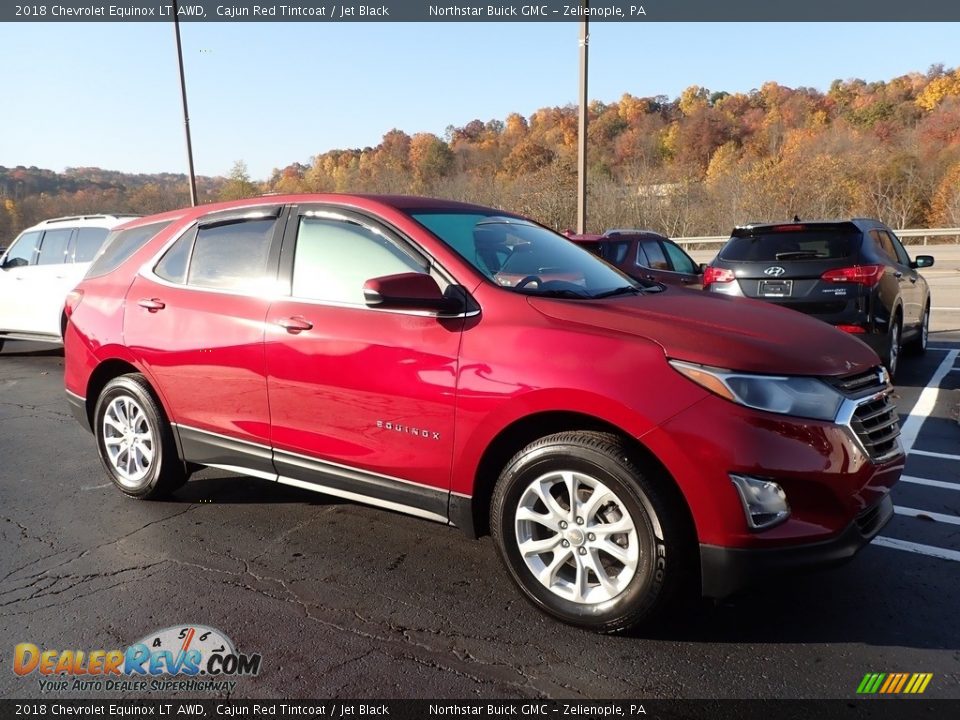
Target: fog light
[[764, 502]]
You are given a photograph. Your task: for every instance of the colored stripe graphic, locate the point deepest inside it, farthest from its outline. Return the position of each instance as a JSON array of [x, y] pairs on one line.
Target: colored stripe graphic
[[894, 683]]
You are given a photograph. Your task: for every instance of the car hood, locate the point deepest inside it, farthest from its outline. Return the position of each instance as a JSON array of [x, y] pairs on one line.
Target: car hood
[[732, 333]]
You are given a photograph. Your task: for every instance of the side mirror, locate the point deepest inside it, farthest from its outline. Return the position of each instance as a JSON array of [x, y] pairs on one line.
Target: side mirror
[[922, 261], [701, 268], [409, 291]]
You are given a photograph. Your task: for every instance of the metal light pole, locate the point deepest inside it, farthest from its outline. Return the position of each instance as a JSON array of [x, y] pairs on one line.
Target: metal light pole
[[582, 129], [186, 114]]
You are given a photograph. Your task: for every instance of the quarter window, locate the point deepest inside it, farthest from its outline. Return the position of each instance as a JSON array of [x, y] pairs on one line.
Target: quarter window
[[23, 251], [334, 258], [53, 249], [232, 256], [121, 245]]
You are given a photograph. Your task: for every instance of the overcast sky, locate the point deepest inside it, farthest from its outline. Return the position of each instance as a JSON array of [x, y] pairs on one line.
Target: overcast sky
[[107, 95]]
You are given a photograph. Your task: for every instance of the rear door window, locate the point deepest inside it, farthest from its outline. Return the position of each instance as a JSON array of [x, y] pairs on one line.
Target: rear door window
[[794, 244], [233, 255], [656, 260], [53, 247], [901, 253], [88, 243], [23, 251]]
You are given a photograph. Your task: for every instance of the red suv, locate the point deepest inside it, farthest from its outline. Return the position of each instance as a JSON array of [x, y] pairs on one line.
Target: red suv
[[644, 255], [621, 444]]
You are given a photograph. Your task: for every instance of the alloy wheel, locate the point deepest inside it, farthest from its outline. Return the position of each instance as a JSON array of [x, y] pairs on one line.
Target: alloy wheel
[[129, 440], [577, 537]]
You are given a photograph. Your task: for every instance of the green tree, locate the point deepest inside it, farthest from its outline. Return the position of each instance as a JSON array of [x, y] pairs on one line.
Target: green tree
[[238, 183]]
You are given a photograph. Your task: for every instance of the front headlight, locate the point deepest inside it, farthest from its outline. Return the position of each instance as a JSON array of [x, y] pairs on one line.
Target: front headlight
[[798, 396]]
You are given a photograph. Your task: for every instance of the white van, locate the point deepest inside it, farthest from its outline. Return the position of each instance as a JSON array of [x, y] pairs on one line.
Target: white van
[[40, 267]]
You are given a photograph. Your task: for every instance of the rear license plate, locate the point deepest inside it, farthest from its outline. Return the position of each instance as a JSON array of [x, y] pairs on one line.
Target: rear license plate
[[776, 288]]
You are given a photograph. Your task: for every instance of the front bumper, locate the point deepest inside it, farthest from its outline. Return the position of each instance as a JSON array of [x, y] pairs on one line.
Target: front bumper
[[725, 570]]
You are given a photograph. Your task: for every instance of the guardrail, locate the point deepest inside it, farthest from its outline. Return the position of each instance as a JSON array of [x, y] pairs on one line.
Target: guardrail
[[925, 233]]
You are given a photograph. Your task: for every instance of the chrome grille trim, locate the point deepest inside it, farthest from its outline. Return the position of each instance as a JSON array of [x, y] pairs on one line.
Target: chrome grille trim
[[872, 419]]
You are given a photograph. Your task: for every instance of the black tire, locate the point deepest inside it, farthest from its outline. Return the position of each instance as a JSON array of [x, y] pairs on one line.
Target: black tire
[[129, 396], [1, 345], [891, 356], [918, 346], [663, 538]]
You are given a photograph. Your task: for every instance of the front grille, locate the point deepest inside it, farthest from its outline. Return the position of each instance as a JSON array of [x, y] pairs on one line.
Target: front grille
[[870, 412], [861, 384], [877, 425]]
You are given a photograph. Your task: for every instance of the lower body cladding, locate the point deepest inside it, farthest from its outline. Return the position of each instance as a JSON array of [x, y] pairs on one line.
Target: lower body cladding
[[766, 493], [826, 497], [289, 468]]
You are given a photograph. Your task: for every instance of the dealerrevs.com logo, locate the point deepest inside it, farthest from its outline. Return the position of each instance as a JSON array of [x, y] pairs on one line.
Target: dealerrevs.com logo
[[177, 658]]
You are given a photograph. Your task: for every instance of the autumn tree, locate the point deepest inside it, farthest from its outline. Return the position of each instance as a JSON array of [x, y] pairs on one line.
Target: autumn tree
[[238, 185]]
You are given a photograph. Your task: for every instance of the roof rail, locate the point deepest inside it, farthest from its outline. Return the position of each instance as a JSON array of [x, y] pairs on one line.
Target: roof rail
[[97, 216]]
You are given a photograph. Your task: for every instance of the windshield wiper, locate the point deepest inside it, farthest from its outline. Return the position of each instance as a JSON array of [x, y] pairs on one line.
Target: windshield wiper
[[556, 294], [623, 290], [799, 255]]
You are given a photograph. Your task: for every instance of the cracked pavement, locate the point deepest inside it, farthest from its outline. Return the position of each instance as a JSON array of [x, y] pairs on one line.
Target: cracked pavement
[[345, 601]]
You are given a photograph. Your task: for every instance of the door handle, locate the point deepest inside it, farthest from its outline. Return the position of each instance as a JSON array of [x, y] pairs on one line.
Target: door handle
[[898, 275], [151, 304], [649, 277], [686, 281], [295, 325]]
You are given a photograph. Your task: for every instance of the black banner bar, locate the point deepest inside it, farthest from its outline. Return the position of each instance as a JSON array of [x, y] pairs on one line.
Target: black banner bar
[[854, 709], [471, 11]]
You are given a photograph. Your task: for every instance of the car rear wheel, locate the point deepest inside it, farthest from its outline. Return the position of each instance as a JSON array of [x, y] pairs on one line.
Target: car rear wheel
[[891, 358], [135, 441], [919, 344], [586, 534]]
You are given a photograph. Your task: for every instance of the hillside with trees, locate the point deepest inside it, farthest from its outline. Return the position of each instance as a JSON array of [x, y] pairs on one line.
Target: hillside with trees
[[694, 165]]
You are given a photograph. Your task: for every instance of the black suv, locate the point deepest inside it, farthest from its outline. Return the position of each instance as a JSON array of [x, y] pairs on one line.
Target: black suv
[[854, 274]]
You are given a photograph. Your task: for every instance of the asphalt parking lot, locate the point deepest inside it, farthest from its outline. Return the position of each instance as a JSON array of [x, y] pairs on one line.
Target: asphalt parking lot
[[345, 601]]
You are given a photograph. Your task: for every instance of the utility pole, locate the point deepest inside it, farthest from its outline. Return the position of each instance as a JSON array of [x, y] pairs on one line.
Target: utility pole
[[186, 114], [582, 127]]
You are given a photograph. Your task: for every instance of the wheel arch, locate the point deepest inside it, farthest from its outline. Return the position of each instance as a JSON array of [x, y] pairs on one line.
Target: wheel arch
[[472, 515]]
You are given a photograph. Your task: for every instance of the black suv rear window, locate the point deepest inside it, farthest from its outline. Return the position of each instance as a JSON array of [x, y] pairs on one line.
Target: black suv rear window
[[121, 245], [792, 242]]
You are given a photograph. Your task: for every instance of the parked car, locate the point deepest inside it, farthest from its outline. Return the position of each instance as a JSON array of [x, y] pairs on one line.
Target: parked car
[[644, 255], [854, 274], [40, 267], [623, 446]]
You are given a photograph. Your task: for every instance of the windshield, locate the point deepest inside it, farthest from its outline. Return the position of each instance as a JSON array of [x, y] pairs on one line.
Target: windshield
[[524, 257]]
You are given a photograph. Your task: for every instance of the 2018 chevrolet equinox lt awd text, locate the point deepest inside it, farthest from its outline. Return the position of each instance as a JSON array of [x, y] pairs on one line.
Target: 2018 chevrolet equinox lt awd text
[[622, 445]]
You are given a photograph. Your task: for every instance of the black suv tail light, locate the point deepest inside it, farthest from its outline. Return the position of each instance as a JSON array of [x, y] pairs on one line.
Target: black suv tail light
[[868, 275]]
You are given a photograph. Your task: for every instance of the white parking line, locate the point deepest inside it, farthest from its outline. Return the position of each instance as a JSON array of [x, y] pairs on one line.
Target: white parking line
[[930, 550], [926, 515], [930, 483], [930, 453], [926, 403]]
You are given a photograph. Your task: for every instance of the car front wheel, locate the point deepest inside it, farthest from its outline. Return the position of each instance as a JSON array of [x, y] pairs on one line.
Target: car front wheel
[[135, 441], [586, 534]]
